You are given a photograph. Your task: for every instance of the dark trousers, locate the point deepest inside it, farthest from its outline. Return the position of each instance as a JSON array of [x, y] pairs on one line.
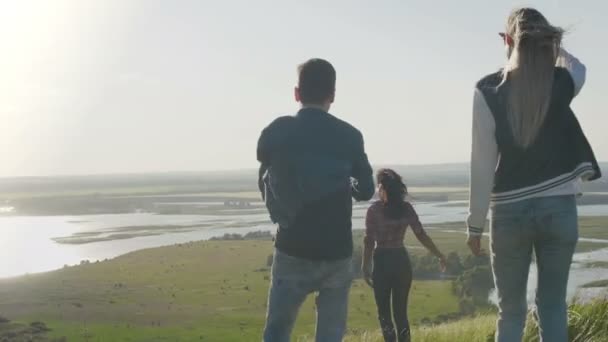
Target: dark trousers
[[392, 277]]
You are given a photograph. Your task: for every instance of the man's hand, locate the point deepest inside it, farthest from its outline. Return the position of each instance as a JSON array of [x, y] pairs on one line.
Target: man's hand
[[367, 275], [474, 243]]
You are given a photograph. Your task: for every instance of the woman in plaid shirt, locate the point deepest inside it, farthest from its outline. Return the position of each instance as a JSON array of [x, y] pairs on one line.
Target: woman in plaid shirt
[[391, 278]]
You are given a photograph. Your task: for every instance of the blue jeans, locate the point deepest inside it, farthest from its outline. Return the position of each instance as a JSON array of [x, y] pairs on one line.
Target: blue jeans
[[549, 227], [293, 279]]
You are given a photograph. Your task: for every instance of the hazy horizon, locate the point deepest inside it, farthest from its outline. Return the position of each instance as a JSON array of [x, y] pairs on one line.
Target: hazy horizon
[[130, 87], [219, 171]]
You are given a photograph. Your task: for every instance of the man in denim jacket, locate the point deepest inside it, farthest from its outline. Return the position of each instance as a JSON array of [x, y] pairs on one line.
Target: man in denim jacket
[[312, 166]]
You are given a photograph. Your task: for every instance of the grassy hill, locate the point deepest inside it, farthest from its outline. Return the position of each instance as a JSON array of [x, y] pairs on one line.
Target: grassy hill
[[215, 291], [203, 291], [587, 323]]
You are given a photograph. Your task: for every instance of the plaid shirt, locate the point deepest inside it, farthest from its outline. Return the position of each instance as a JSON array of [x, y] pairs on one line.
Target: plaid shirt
[[384, 232]]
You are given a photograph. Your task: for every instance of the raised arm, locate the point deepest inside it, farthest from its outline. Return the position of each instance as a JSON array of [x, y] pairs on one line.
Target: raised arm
[[577, 70], [484, 159], [363, 185]]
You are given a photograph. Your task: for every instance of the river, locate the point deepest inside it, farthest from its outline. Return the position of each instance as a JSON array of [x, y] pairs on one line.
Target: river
[[26, 244]]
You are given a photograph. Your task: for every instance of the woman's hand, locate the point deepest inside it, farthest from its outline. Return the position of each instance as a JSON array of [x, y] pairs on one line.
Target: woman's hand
[[367, 274], [474, 243], [443, 263]]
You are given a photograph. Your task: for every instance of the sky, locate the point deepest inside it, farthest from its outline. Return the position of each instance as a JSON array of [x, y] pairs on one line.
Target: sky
[[129, 86]]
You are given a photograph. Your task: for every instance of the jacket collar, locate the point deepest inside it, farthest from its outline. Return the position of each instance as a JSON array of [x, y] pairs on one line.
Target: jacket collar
[[311, 111]]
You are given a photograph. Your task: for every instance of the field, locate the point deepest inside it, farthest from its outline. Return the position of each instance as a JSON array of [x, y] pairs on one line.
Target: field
[[450, 237], [210, 291], [203, 291], [589, 227], [597, 284]]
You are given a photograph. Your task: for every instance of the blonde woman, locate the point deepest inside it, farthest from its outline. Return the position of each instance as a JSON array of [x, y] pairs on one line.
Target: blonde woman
[[529, 152]]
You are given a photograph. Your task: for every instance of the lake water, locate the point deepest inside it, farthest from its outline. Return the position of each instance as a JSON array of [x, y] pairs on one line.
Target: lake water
[[26, 244]]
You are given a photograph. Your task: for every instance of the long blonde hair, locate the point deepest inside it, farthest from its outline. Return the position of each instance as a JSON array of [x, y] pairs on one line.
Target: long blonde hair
[[530, 72]]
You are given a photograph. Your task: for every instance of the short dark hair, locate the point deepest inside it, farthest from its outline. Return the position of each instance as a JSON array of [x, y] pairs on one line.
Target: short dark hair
[[316, 81]]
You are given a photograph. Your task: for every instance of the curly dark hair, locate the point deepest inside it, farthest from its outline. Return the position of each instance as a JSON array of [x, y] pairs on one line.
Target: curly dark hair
[[395, 190]]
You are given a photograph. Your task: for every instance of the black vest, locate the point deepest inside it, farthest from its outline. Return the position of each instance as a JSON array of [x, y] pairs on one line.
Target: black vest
[[560, 153]]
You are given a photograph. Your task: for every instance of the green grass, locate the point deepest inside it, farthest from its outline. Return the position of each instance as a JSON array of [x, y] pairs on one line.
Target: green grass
[[217, 290], [595, 284], [594, 227], [589, 227], [587, 323], [446, 241], [455, 240], [24, 332], [454, 205], [437, 189], [596, 264]]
